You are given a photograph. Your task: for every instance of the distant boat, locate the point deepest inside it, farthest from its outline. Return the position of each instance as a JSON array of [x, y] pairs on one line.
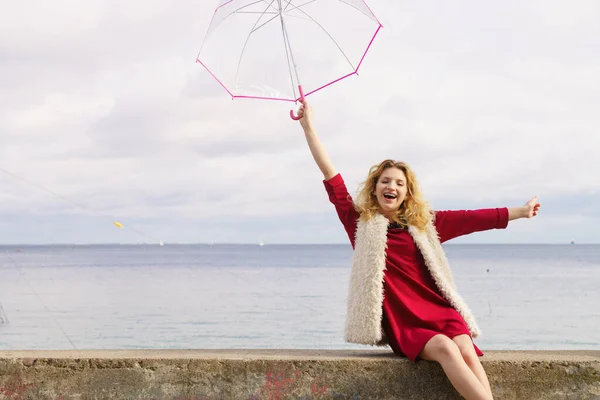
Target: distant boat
[[261, 244], [572, 241]]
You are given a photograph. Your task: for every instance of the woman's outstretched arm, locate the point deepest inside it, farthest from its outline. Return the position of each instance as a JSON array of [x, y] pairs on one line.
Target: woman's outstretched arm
[[529, 210], [451, 224], [317, 149]]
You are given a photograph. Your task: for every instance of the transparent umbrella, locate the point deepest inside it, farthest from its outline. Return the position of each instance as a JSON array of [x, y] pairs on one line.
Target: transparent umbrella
[[286, 49]]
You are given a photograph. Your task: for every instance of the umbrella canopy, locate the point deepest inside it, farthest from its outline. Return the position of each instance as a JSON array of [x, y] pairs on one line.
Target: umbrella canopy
[[267, 49]]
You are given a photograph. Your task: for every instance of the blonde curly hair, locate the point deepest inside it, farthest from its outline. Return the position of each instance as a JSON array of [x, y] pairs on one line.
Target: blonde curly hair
[[413, 211]]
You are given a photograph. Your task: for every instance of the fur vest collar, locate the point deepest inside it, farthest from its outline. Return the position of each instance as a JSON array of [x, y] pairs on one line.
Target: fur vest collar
[[365, 297]]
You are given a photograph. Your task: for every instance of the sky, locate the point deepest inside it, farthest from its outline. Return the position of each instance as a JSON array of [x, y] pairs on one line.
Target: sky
[[105, 116]]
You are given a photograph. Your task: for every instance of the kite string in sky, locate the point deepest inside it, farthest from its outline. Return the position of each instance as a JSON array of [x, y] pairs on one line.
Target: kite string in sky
[[95, 213]]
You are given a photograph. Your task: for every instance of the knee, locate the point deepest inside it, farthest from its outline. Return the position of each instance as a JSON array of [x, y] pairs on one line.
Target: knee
[[467, 349], [469, 355], [441, 347]]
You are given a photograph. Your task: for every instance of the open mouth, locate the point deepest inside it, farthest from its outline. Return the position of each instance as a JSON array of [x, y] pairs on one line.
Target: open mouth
[[390, 196]]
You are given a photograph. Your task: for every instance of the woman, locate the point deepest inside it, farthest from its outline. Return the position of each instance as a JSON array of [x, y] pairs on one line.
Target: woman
[[401, 289]]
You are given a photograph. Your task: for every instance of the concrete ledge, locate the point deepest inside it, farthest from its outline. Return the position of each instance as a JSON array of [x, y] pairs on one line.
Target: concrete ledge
[[284, 374]]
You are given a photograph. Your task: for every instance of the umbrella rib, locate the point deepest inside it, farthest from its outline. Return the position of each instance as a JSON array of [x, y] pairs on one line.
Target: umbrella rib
[[260, 26], [237, 11], [298, 17], [251, 4], [328, 34], [257, 12], [237, 73], [288, 54], [298, 6], [370, 16], [285, 10]]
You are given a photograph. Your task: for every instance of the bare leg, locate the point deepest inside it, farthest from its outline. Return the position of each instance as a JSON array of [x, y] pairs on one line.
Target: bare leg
[[465, 345], [443, 350]]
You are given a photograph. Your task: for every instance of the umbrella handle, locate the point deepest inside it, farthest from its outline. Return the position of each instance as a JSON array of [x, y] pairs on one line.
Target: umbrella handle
[[292, 114]]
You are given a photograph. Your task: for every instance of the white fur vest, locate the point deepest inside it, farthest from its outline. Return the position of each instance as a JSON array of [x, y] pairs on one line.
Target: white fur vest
[[365, 297]]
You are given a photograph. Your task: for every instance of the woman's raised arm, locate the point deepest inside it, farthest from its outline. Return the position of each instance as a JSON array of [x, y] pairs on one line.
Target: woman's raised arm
[[317, 149]]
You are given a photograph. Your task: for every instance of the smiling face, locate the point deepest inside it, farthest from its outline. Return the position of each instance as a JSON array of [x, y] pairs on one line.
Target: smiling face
[[391, 190]]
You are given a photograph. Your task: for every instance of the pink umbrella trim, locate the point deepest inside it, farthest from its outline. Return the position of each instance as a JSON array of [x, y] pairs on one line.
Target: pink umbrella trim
[[355, 72]]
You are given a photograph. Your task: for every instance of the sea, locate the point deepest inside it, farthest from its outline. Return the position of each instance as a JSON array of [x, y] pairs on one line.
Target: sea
[[225, 296]]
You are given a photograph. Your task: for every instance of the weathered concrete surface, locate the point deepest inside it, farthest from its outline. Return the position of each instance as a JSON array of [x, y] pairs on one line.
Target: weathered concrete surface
[[283, 374]]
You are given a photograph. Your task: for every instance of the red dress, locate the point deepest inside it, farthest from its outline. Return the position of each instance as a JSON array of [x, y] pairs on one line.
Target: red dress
[[413, 309]]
